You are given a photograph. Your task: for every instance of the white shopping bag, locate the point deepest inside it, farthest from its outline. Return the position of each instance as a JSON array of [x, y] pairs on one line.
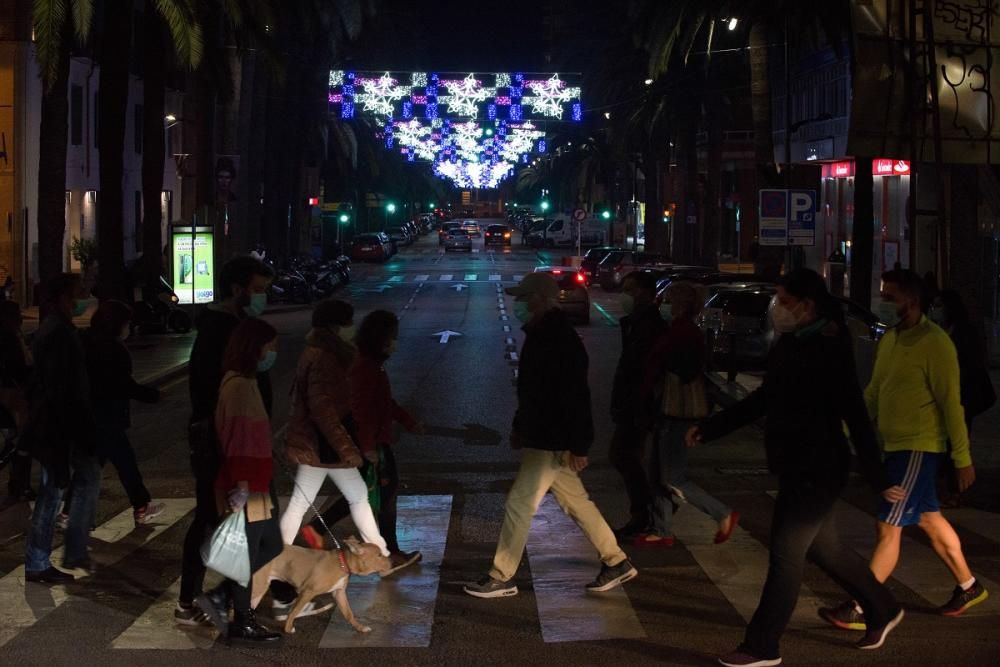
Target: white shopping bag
[[227, 552]]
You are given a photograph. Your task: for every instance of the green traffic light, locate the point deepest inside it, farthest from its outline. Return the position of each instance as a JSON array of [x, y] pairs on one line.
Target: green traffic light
[[433, 205], [545, 206], [391, 207], [606, 215], [344, 218]]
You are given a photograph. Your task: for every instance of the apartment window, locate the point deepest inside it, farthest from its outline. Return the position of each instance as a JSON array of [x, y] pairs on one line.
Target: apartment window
[[138, 221], [137, 125], [76, 115]]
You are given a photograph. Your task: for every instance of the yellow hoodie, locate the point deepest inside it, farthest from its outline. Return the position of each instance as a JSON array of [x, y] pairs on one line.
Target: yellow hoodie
[[914, 393]]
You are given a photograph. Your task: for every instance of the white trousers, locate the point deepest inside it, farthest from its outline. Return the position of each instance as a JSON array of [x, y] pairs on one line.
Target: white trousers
[[309, 480]]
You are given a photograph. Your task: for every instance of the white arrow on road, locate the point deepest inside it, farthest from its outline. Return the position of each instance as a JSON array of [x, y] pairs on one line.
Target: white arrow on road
[[446, 334], [459, 287]]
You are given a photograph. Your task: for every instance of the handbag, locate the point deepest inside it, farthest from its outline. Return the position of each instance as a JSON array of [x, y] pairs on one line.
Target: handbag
[[684, 400], [227, 551]]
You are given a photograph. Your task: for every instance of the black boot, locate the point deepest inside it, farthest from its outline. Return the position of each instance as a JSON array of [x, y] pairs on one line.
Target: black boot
[[246, 630]]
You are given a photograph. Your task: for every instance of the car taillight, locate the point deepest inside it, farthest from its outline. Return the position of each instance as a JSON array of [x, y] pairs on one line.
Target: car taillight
[[580, 278], [557, 272], [507, 235]]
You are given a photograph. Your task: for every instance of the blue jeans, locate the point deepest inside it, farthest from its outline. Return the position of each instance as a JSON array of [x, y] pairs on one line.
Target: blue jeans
[[669, 476], [38, 548]]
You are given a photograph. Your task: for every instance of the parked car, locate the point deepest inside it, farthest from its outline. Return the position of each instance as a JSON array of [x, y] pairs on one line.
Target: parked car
[[703, 276], [574, 297], [472, 227], [445, 228], [593, 257], [392, 248], [458, 239], [738, 327], [413, 228], [369, 248], [401, 235], [497, 234], [611, 271]]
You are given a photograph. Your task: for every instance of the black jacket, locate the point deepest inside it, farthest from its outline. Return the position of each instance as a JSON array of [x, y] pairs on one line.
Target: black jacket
[[61, 415], [112, 387], [639, 332], [810, 389], [553, 397], [205, 368]]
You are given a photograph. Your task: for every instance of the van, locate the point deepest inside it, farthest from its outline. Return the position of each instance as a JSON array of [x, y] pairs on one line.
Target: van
[[563, 231]]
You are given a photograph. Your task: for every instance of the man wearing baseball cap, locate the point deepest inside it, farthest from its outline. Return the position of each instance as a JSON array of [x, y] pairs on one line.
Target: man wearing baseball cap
[[554, 430]]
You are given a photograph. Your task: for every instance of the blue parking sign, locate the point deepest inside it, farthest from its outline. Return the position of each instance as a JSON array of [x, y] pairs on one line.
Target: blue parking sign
[[802, 217]]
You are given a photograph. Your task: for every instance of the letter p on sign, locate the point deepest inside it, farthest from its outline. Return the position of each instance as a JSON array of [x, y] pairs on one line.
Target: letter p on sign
[[802, 207]]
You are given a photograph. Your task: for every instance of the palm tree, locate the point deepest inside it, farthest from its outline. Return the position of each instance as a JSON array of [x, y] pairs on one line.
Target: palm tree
[[54, 22]]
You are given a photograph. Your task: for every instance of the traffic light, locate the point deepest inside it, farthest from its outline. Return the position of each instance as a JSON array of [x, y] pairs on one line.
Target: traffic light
[[390, 207], [344, 218], [545, 206], [606, 214]]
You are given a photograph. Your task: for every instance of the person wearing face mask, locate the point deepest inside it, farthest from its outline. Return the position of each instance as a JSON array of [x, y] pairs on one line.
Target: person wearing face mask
[[554, 431], [374, 411], [112, 388], [243, 285], [914, 398], [245, 475], [810, 390], [975, 387], [60, 433], [322, 430], [640, 328], [675, 380]]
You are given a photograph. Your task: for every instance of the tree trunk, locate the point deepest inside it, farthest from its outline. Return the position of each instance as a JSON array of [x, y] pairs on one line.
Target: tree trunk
[[760, 95], [53, 134], [713, 185], [153, 145], [113, 57], [863, 234]]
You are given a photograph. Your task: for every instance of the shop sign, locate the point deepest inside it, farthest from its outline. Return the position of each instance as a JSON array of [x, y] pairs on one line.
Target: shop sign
[[839, 169], [193, 264], [890, 167]]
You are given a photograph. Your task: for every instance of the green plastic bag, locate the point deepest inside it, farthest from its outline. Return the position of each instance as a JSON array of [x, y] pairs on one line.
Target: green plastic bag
[[373, 475]]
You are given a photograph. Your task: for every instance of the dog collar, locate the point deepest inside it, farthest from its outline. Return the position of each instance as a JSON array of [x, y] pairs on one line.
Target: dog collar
[[343, 561]]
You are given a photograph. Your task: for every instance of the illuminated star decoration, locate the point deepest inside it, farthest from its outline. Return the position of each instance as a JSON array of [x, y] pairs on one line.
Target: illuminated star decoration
[[550, 96], [380, 95], [465, 96]]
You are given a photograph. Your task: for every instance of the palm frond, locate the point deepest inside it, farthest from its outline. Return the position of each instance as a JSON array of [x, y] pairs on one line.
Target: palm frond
[[83, 14], [49, 22], [185, 32]]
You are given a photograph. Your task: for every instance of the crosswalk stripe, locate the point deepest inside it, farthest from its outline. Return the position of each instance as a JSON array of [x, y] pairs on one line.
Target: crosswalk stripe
[[919, 568], [400, 608], [494, 277], [738, 568], [470, 277], [396, 279], [566, 611], [445, 277], [518, 279], [422, 278], [16, 612]]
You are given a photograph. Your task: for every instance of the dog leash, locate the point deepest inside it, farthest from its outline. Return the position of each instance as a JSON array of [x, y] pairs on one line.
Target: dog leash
[[319, 515]]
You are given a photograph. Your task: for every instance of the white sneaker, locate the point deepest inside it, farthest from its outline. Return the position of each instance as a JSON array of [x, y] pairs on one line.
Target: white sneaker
[[281, 611], [147, 513]]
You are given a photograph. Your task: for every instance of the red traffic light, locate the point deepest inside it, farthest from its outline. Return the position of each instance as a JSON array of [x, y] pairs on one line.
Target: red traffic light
[[314, 201]]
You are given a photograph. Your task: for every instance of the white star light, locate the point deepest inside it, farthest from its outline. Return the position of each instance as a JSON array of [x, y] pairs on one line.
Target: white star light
[[336, 77], [379, 95], [465, 96], [550, 96], [419, 79]]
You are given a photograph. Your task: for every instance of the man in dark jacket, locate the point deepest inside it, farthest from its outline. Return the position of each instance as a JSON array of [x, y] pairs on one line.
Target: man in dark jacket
[[555, 431], [243, 285], [641, 326], [60, 433]]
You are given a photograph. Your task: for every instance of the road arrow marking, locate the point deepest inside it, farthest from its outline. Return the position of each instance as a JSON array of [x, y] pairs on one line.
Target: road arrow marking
[[459, 287], [446, 335]]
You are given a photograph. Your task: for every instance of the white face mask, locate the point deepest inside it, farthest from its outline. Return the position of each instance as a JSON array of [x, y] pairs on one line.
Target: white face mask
[[346, 333], [783, 319]]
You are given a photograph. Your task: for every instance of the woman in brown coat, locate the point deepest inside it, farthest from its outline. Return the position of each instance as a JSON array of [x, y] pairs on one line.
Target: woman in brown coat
[[319, 439]]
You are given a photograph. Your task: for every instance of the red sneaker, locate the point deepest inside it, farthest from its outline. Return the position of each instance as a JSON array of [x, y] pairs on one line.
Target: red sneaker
[[312, 538], [653, 540], [723, 535]]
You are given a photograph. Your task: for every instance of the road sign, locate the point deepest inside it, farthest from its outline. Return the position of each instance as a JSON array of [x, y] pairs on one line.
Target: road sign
[[446, 335], [802, 217], [579, 214], [773, 218]]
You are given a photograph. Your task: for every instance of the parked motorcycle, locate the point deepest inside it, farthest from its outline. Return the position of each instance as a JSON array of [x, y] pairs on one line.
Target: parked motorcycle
[[159, 311]]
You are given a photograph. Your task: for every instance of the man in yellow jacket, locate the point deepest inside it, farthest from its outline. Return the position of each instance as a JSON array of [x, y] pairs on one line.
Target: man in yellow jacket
[[914, 399]]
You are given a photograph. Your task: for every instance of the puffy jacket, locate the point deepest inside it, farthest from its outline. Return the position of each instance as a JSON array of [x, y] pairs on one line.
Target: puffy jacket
[[373, 406], [322, 403], [553, 396], [810, 390]]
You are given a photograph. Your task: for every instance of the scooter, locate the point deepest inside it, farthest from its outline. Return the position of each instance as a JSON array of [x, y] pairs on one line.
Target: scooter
[[159, 312]]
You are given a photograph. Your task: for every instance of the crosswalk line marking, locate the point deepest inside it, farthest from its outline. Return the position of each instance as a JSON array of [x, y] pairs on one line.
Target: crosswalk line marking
[[18, 608], [422, 278], [982, 523], [494, 277], [518, 279], [559, 573], [469, 277], [919, 568], [738, 568], [396, 279], [400, 608], [445, 277], [156, 628]]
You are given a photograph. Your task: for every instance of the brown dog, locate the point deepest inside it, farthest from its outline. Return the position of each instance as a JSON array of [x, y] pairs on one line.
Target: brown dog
[[313, 572]]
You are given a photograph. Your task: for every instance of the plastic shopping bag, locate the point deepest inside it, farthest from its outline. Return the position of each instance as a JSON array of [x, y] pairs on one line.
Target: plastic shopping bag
[[227, 551]]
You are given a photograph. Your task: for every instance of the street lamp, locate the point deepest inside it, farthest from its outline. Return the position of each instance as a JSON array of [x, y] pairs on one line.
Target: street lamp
[[390, 208], [648, 82], [733, 22]]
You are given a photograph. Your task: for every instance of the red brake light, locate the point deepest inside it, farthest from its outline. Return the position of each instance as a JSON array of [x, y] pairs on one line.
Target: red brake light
[[580, 278], [556, 272]]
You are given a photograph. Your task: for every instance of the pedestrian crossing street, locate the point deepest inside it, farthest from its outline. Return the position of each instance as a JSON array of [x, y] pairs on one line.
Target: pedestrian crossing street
[[401, 609], [441, 277]]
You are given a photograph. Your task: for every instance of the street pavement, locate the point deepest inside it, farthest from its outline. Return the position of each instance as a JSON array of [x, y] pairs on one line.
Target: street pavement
[[455, 370]]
